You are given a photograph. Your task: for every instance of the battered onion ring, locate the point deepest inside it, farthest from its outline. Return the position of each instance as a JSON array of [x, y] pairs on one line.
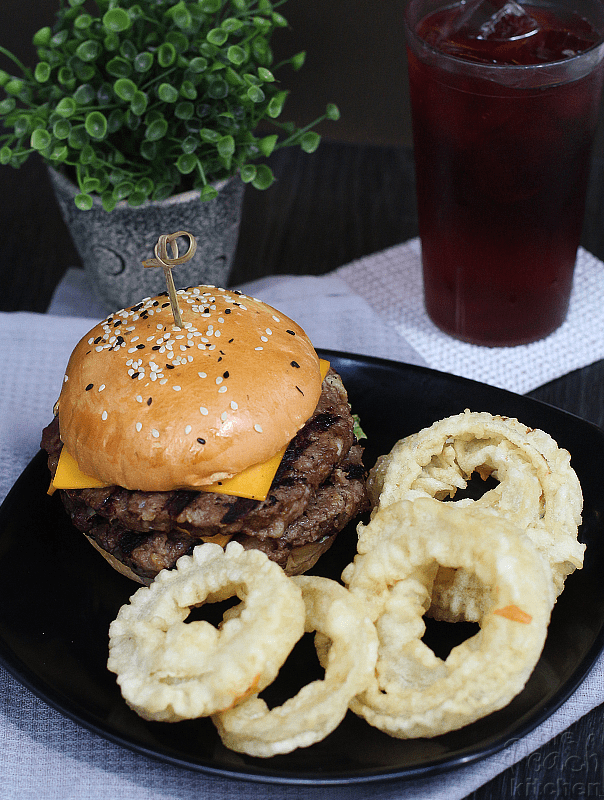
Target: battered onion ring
[[169, 670], [537, 489], [415, 693], [319, 707]]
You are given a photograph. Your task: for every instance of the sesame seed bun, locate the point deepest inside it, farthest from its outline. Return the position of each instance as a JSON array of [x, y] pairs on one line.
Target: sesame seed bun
[[149, 406]]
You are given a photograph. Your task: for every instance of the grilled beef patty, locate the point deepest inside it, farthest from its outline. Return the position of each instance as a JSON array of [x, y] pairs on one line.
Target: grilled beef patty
[[319, 487]]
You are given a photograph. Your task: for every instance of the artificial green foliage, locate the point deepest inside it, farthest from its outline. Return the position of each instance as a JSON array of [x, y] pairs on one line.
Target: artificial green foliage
[[145, 97]]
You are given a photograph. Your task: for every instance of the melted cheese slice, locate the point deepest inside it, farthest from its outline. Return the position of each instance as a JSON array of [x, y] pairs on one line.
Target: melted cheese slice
[[253, 483]]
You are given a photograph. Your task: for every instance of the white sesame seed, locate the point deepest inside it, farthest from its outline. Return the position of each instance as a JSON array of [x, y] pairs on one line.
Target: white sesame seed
[[155, 433], [132, 350], [223, 416], [101, 387], [141, 376], [222, 389], [276, 318], [263, 339], [203, 410], [135, 339], [258, 428], [139, 399], [104, 415], [139, 427], [269, 331], [177, 388], [188, 429], [219, 379], [202, 374], [98, 348], [65, 379], [163, 381], [258, 348], [234, 405]]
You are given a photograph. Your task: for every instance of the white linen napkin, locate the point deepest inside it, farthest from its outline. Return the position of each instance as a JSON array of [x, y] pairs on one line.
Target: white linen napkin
[[370, 307]]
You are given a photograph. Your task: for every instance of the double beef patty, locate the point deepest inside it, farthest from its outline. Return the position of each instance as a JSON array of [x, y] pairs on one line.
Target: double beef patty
[[319, 487]]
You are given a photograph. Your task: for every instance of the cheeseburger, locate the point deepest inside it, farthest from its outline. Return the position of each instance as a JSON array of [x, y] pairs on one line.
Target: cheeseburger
[[227, 428]]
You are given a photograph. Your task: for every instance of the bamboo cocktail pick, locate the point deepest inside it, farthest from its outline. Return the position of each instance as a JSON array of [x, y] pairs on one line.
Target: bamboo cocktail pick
[[162, 259]]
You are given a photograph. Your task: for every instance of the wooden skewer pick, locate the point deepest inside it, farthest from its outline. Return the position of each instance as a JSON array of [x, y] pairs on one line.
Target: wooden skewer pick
[[162, 259]]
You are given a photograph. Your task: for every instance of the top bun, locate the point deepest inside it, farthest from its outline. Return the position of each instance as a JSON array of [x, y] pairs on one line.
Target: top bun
[[150, 406]]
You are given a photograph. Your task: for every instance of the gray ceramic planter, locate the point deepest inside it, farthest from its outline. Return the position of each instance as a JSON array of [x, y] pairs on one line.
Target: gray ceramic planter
[[113, 245]]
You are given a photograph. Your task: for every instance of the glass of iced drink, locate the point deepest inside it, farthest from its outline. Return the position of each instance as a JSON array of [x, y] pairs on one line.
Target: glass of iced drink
[[505, 100]]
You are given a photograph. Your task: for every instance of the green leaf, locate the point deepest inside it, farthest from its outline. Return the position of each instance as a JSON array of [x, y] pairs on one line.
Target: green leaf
[[90, 185], [267, 144], [108, 200], [198, 64], [66, 107], [208, 135], [309, 141], [84, 94], [66, 76], [166, 54], [42, 37], [83, 201], [115, 120], [7, 105], [122, 190], [236, 55], [96, 125], [184, 110], [156, 130], [125, 89], [217, 36], [264, 177], [256, 94], [61, 129], [298, 60], [78, 137], [14, 86], [231, 24], [42, 71], [143, 62], [83, 22], [5, 155], [89, 50], [248, 173], [266, 75], [163, 190], [188, 90], [22, 125], [139, 103], [186, 163], [148, 150], [275, 106], [279, 20], [167, 93], [190, 144], [128, 50], [218, 89], [208, 193], [118, 67], [59, 153], [116, 20], [210, 6], [332, 112], [87, 156], [181, 15], [226, 146]]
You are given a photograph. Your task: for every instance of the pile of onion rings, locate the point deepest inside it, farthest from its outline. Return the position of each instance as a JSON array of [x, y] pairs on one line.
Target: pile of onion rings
[[500, 560]]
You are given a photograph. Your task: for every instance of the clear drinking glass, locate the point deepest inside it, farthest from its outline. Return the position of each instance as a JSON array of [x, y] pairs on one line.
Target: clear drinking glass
[[505, 101]]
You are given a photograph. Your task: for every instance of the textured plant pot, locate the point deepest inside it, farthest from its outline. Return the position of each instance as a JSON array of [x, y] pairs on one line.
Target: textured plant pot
[[113, 245]]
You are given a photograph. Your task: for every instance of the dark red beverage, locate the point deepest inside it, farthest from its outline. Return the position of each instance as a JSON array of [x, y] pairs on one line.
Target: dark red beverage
[[503, 132]]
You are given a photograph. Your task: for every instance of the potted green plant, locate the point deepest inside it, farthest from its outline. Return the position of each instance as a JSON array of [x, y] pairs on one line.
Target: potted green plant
[[147, 106]]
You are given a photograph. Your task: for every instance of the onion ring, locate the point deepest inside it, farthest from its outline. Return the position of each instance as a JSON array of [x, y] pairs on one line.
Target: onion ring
[[170, 670], [414, 693], [538, 489], [319, 707]]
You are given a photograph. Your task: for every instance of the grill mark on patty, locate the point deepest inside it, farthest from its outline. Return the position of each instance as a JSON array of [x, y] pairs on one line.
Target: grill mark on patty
[[179, 501], [238, 509]]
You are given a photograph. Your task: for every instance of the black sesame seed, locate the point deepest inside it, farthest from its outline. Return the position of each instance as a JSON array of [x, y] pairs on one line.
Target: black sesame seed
[[200, 440], [225, 374], [137, 307], [165, 305], [295, 364], [140, 346], [89, 387], [300, 390], [149, 401], [98, 339], [231, 341], [156, 347], [227, 310], [118, 322], [135, 375], [119, 340], [291, 333], [156, 302], [169, 366]]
